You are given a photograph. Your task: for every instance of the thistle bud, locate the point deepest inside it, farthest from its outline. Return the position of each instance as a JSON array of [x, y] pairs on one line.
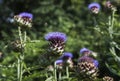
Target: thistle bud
[[17, 46]]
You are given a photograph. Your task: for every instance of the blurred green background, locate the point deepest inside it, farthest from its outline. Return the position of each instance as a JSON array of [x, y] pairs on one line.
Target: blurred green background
[[71, 17]]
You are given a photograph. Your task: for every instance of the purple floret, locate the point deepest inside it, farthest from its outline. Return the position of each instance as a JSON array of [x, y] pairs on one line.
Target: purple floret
[[86, 59], [57, 36], [67, 55], [94, 4], [58, 61], [84, 50], [27, 15], [96, 63]]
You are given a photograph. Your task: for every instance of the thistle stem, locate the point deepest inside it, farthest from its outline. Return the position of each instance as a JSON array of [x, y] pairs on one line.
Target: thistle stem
[[55, 72], [60, 76], [67, 72], [20, 56]]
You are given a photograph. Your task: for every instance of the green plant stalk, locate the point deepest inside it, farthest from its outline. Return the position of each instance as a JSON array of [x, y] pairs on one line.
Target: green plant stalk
[[59, 75], [67, 72], [110, 29], [111, 26], [55, 72], [20, 56]]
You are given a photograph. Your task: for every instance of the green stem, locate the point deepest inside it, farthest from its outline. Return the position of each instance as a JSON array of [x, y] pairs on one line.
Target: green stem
[[20, 34], [20, 56], [95, 21], [67, 72], [60, 76], [55, 72], [18, 69]]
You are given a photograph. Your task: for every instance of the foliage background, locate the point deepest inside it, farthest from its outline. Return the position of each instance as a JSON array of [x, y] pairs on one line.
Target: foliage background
[[69, 16]]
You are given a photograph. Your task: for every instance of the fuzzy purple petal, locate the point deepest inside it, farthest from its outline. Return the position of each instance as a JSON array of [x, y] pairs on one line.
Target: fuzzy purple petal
[[84, 50], [96, 63], [67, 54], [58, 61], [25, 14], [94, 4], [56, 35]]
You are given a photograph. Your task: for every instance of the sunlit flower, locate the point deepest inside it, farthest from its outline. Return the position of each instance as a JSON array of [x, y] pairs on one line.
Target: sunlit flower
[[59, 64], [87, 67], [57, 41], [26, 15], [57, 36], [85, 51], [24, 19], [94, 7], [67, 59], [66, 55]]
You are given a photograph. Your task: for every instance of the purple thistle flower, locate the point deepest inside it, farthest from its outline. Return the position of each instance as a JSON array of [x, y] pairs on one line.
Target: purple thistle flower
[[87, 67], [67, 55], [26, 15], [67, 59], [24, 19], [57, 62], [84, 50], [56, 36], [94, 7], [57, 41]]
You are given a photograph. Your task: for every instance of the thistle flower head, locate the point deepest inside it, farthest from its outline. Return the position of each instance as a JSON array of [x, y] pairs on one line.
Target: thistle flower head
[[94, 7], [24, 19], [67, 59], [110, 5], [87, 67], [56, 36], [57, 41], [57, 62], [26, 15], [85, 50], [67, 55]]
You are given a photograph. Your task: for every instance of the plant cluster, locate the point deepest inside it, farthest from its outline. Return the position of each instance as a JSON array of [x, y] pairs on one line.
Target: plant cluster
[[56, 61]]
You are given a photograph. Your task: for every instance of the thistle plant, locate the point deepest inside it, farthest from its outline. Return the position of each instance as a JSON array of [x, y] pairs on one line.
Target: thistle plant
[[62, 61], [23, 20]]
